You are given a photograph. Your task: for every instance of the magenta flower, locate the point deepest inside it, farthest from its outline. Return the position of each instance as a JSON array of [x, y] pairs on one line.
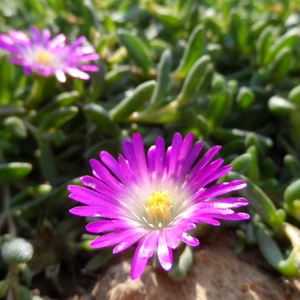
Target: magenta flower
[[44, 56], [156, 199]]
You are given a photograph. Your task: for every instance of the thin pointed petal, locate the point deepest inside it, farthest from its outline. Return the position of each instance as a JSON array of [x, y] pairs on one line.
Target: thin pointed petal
[[164, 255], [143, 252], [129, 241]]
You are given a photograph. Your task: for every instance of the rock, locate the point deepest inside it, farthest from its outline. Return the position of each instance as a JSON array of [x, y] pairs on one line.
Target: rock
[[217, 273], [135, 290]]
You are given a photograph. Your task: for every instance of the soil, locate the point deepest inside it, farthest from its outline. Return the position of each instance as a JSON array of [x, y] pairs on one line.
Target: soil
[[217, 273]]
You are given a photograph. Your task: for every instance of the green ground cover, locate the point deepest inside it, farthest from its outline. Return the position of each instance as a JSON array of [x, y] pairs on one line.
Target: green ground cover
[[228, 71]]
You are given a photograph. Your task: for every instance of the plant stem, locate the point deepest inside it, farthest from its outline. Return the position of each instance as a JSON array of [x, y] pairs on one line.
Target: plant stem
[[10, 295], [39, 90], [6, 216], [30, 127], [292, 233], [13, 277]]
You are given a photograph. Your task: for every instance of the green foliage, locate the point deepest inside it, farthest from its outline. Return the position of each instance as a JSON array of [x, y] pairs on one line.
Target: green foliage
[[14, 171], [228, 71]]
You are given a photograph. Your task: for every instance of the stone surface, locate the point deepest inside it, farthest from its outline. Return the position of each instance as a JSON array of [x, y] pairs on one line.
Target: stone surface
[[217, 273]]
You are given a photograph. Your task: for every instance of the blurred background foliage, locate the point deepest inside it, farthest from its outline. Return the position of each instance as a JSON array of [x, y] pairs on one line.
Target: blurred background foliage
[[227, 70]]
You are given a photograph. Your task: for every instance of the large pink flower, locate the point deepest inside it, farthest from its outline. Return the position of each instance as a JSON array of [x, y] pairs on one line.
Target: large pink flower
[[155, 200], [45, 56]]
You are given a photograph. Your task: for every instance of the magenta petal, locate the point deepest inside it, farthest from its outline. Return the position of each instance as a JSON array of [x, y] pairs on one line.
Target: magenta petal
[[188, 239], [190, 159], [215, 175], [80, 40], [7, 44], [9, 48], [104, 175], [205, 159], [230, 217], [113, 238], [186, 147], [19, 36], [89, 68], [98, 186], [165, 256], [139, 151], [126, 168], [138, 264], [77, 73], [89, 197], [206, 220], [151, 161], [130, 156], [93, 211], [35, 33], [220, 189], [143, 252], [159, 156], [174, 152], [129, 241], [6, 39], [17, 61], [82, 50], [27, 70], [232, 202], [89, 57], [88, 200], [113, 165], [171, 238], [184, 151], [200, 177], [184, 224], [167, 159], [46, 35], [215, 210], [45, 71], [107, 225], [57, 41]]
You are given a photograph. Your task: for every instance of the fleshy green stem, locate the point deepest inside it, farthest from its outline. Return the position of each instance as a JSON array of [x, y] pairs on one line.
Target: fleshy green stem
[[39, 90], [168, 113], [292, 233]]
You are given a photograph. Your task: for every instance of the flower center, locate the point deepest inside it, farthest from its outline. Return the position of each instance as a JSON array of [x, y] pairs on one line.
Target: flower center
[[44, 58], [158, 207]]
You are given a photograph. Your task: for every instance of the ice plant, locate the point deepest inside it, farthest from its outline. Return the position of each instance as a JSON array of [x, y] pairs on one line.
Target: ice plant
[[156, 199], [45, 56]]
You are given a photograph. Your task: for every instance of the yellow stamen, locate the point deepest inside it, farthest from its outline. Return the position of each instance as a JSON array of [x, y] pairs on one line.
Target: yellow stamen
[[158, 206], [44, 58]]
